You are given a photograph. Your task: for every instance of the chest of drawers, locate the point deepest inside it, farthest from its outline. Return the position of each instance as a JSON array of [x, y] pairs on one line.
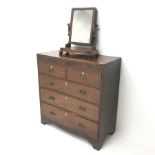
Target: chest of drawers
[[79, 95]]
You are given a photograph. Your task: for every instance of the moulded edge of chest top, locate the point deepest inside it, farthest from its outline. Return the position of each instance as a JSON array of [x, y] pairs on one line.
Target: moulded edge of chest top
[[68, 62]]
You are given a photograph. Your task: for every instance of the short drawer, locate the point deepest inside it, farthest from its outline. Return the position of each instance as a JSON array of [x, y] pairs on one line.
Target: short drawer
[[54, 69], [85, 76], [82, 108], [70, 120], [88, 94]]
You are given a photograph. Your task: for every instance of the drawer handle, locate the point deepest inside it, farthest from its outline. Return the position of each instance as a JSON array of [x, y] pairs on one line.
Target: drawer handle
[[82, 108], [82, 91], [51, 84], [82, 76], [51, 68], [51, 98], [81, 125], [52, 113]]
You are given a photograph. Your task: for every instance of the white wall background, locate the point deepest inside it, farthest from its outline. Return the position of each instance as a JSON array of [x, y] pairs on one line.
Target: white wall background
[[127, 29]]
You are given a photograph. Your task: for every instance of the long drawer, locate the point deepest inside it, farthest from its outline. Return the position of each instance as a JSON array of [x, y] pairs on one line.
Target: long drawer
[[88, 94], [82, 108], [69, 120]]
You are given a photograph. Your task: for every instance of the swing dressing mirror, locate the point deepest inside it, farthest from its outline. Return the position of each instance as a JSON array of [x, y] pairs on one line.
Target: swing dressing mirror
[[82, 32]]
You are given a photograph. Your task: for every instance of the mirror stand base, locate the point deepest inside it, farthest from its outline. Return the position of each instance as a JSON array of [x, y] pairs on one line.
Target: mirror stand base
[[75, 51]]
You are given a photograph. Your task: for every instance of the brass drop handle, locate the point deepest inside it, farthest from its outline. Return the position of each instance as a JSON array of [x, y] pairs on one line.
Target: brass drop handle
[[51, 98], [82, 91], [82, 108], [51, 83], [81, 125], [51, 68], [82, 75], [52, 113]]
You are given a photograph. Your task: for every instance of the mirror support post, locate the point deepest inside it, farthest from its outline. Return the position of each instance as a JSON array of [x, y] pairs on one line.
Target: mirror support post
[[94, 37], [68, 45]]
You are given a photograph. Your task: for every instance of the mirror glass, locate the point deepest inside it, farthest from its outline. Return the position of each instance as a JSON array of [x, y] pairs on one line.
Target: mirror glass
[[81, 26]]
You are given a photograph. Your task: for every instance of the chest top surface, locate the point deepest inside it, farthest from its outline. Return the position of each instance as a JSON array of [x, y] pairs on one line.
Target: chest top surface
[[100, 60]]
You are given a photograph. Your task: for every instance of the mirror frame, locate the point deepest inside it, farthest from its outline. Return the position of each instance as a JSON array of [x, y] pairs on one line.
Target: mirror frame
[[93, 26]]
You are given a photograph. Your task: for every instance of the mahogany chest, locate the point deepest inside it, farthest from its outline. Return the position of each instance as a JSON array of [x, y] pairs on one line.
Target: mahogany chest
[[79, 95]]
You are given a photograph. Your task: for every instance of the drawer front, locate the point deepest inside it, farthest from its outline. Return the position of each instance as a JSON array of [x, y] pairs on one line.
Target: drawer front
[[82, 108], [83, 92], [51, 82], [69, 120], [76, 90], [86, 76], [53, 69]]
